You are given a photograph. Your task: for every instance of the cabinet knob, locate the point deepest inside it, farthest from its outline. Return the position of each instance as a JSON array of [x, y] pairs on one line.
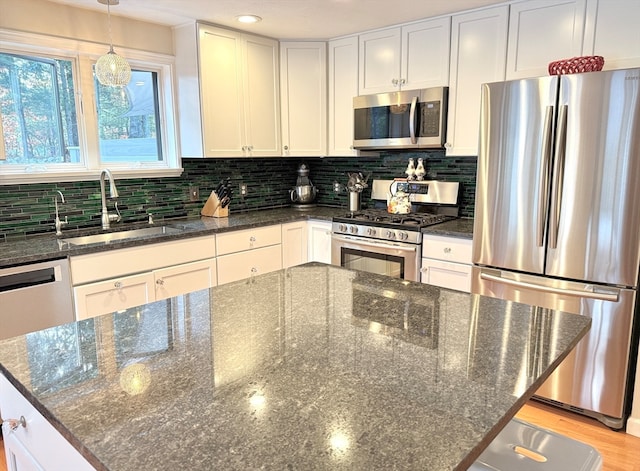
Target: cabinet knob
[[160, 282], [286, 147], [447, 250], [448, 145], [15, 423], [424, 269], [117, 285]]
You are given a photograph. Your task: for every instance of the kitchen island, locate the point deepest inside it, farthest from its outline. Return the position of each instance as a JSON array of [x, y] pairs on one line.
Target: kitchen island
[[313, 367]]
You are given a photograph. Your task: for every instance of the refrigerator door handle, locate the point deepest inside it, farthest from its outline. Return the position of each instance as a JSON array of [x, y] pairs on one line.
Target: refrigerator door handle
[[556, 193], [543, 190], [612, 296], [412, 120]]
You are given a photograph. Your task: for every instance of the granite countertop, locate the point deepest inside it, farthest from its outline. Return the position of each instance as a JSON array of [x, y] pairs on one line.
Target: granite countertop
[[462, 228], [50, 247], [313, 367]]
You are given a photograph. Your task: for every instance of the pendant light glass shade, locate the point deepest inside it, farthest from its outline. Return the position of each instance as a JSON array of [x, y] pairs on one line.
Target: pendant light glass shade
[[111, 69]]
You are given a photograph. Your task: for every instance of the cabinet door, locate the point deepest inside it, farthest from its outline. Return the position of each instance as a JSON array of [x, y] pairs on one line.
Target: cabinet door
[[425, 54], [37, 445], [221, 92], [343, 86], [612, 31], [319, 241], [379, 61], [102, 297], [303, 90], [294, 244], [261, 96], [242, 265], [181, 279], [478, 51], [541, 31], [446, 274]]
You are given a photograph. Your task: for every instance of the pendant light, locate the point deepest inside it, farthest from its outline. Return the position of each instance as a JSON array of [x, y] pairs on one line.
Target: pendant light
[[111, 69]]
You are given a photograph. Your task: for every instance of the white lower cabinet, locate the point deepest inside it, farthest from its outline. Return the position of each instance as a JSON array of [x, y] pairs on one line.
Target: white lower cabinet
[[113, 280], [319, 236], [116, 294], [294, 244], [250, 252], [446, 262], [241, 265], [35, 444]]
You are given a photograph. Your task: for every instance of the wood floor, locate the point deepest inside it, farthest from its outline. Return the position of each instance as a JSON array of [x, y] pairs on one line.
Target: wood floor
[[620, 452]]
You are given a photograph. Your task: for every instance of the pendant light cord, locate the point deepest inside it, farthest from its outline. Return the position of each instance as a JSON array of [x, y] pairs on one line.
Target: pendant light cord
[[109, 19]]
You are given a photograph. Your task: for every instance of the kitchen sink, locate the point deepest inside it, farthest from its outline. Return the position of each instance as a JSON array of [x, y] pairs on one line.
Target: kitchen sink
[[107, 237]]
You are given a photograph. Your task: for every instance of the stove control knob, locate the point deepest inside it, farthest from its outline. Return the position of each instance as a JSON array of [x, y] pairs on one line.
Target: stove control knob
[[342, 228], [403, 235], [391, 235], [353, 229], [371, 231]]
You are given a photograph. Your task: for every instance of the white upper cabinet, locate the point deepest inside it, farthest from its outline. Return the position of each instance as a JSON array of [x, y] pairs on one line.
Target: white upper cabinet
[[612, 31], [343, 86], [478, 55], [228, 92], [303, 89], [409, 57], [542, 31]]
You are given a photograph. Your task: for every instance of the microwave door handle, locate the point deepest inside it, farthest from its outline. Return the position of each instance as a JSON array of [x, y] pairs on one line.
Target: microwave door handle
[[412, 120]]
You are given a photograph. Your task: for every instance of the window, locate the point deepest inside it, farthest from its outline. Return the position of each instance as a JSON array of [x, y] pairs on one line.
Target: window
[[57, 122], [39, 121], [128, 120]]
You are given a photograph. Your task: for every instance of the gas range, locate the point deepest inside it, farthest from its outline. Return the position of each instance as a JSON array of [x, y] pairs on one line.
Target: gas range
[[381, 225]]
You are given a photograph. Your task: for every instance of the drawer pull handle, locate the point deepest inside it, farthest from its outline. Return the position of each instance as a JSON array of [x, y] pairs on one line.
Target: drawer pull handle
[[15, 423]]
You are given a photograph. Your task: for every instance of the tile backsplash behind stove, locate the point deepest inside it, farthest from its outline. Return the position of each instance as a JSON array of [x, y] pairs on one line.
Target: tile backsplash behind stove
[[28, 209]]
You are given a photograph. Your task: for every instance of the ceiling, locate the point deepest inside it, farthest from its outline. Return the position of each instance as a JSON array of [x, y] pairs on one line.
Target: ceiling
[[287, 19]]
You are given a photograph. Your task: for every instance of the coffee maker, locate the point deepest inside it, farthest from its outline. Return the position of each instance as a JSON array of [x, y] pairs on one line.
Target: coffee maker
[[304, 193]]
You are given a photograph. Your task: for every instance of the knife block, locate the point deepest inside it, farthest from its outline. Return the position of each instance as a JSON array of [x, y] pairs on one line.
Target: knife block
[[213, 209]]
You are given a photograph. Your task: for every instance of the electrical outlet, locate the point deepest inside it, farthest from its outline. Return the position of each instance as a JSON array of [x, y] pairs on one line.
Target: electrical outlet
[[194, 193], [243, 189]]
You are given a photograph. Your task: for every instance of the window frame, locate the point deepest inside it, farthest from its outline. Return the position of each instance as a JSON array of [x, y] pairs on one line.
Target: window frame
[[83, 56]]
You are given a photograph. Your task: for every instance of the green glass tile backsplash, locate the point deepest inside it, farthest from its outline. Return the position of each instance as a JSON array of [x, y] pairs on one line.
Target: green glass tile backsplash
[[29, 209]]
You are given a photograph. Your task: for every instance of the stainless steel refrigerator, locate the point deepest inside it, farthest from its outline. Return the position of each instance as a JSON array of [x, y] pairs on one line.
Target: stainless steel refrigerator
[[557, 221]]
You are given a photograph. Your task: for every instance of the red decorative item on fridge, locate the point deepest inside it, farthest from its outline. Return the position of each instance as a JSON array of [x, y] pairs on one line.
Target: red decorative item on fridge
[[576, 65]]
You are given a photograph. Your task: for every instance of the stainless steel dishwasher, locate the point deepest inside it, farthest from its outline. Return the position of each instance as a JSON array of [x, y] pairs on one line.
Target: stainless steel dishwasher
[[34, 297]]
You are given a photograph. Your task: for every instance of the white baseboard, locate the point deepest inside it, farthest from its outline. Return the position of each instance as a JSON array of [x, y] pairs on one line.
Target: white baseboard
[[633, 426]]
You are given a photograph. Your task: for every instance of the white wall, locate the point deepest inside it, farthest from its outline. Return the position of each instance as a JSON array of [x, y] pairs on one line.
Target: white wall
[[55, 19]]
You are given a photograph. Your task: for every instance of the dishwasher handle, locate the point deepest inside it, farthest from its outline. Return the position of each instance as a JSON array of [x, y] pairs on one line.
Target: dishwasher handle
[[28, 279]]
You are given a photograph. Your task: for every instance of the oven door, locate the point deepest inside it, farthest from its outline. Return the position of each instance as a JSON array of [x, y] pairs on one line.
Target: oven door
[[395, 259]]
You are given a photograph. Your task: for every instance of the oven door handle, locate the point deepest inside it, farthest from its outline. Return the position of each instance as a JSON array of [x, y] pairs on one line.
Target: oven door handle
[[378, 244]]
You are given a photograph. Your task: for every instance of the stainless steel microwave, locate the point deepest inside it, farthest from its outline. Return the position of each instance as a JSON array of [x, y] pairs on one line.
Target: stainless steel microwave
[[408, 119]]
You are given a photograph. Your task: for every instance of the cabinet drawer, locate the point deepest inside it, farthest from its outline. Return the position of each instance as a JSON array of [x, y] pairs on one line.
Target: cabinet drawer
[[39, 442], [450, 249], [243, 265], [113, 263], [237, 241], [446, 274], [102, 297]]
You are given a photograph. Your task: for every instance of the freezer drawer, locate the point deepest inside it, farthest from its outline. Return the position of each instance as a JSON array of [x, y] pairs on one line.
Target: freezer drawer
[[594, 376]]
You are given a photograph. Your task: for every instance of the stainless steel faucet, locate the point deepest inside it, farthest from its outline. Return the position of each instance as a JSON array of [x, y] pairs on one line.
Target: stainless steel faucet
[[107, 218], [58, 222]]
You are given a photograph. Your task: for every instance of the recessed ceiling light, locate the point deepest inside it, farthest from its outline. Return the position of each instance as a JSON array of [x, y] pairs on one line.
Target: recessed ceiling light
[[248, 18]]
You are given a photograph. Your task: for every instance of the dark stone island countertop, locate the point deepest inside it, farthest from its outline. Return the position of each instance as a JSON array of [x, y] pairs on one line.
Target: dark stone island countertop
[[313, 367], [49, 247]]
